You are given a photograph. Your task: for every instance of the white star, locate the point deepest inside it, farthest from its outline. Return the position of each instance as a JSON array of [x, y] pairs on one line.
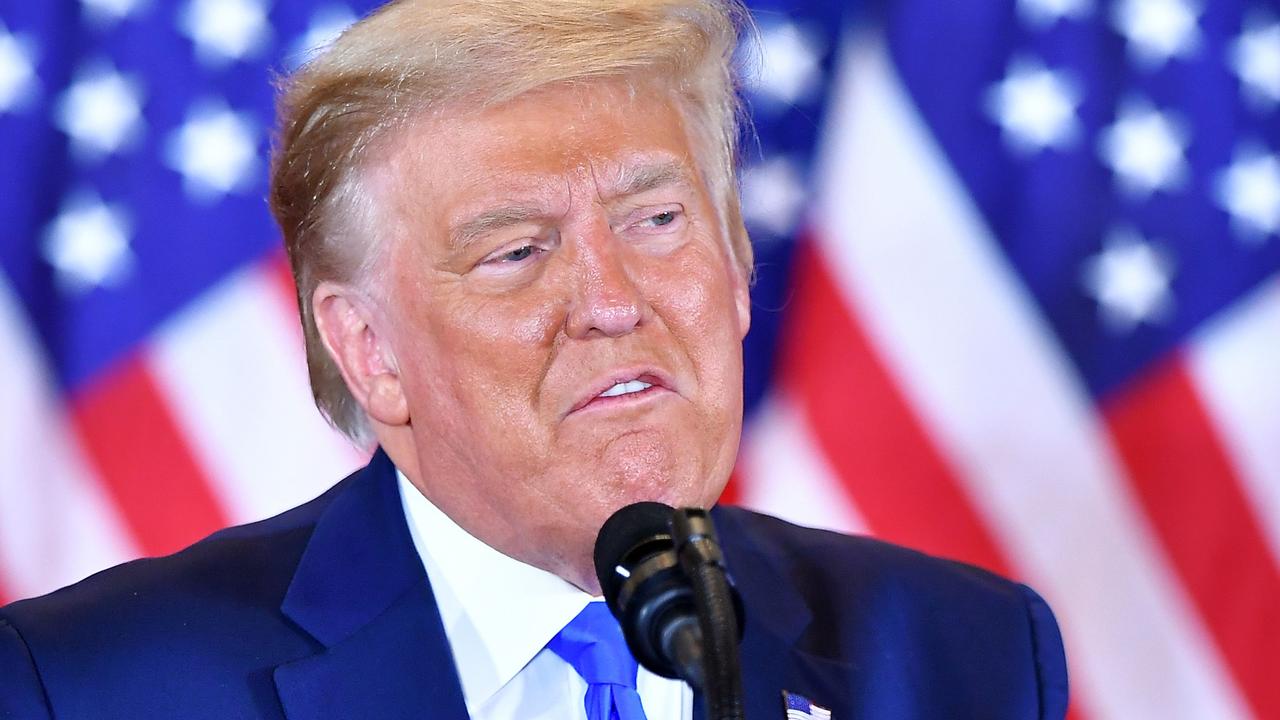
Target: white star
[[1144, 148], [1255, 57], [17, 70], [1035, 106], [789, 64], [1158, 30], [88, 245], [107, 12], [1249, 190], [225, 30], [101, 111], [1043, 13], [326, 25], [773, 195], [1130, 280], [215, 150]]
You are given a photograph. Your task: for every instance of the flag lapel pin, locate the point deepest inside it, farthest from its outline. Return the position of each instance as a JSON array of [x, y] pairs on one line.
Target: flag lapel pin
[[799, 707]]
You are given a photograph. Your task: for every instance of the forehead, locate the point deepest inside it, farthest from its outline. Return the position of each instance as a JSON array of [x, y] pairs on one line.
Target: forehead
[[606, 136]]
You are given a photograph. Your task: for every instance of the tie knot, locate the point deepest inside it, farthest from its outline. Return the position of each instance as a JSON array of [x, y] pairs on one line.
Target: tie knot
[[593, 644]]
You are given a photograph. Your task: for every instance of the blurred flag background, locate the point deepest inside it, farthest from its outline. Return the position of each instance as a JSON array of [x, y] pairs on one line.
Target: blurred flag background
[[1018, 303]]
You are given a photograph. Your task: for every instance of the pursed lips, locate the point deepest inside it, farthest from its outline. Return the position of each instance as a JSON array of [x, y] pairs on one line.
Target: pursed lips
[[622, 386]]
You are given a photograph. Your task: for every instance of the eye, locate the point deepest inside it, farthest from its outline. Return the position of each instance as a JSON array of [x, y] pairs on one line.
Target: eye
[[665, 217], [659, 221], [516, 256]]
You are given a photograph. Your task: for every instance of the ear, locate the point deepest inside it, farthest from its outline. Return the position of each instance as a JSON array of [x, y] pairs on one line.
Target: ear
[[741, 279], [345, 319], [742, 298]]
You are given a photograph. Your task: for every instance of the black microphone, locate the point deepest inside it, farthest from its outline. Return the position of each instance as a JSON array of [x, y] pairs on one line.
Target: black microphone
[[646, 590], [663, 577]]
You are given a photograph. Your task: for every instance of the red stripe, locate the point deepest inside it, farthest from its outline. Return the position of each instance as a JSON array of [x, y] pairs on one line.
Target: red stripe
[[732, 494], [1189, 489], [867, 431], [142, 458], [865, 428]]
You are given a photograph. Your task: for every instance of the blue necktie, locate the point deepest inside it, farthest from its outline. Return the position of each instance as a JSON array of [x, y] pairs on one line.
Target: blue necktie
[[593, 644]]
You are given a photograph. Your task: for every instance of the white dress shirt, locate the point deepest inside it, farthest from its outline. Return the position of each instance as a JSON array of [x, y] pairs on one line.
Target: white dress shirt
[[499, 614]]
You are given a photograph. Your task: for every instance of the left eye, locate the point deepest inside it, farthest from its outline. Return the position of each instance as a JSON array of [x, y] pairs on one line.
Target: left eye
[[663, 221], [520, 253], [663, 218]]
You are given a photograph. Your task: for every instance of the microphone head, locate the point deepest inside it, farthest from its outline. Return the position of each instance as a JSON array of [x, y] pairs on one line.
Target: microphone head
[[648, 591], [630, 535]]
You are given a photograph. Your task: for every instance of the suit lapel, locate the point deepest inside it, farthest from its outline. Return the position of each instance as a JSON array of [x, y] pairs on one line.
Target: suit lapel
[[773, 658], [771, 665], [361, 591]]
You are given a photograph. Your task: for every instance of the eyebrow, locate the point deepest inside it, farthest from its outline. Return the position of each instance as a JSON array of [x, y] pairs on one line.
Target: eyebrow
[[637, 179], [477, 227], [629, 181]]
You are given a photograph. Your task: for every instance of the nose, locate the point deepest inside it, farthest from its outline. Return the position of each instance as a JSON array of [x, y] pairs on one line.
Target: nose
[[606, 300]]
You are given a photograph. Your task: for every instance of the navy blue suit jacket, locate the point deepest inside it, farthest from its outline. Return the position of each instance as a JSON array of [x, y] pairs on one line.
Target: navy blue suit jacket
[[326, 612]]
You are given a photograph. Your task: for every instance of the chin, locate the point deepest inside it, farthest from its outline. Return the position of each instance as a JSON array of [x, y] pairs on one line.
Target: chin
[[661, 488]]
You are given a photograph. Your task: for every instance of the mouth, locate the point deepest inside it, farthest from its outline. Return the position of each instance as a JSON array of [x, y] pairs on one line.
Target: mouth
[[626, 388], [623, 388]]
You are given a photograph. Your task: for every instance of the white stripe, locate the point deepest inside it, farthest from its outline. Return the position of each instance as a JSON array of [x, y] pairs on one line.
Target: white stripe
[[978, 365], [231, 367], [56, 524], [783, 474], [1235, 366], [815, 714]]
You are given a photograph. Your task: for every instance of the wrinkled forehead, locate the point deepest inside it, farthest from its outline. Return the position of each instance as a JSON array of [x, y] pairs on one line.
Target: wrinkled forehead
[[608, 138]]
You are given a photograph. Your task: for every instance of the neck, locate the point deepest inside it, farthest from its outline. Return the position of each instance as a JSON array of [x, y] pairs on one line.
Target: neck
[[577, 569]]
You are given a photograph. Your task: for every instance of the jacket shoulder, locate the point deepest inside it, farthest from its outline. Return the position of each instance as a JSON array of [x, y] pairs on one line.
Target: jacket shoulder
[[817, 554], [240, 559], [228, 586], [910, 615], [875, 565]]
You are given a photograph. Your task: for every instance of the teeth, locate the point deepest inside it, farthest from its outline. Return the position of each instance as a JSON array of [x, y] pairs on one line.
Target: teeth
[[625, 388]]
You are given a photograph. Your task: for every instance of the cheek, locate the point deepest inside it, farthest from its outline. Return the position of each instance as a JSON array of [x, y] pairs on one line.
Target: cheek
[[697, 303], [497, 353], [521, 320], [697, 298]]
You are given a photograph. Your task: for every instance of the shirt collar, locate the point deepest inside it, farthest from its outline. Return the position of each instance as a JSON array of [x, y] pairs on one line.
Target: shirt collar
[[498, 612]]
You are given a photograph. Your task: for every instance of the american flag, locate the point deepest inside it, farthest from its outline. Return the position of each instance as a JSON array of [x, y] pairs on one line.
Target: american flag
[[1018, 303], [799, 707]]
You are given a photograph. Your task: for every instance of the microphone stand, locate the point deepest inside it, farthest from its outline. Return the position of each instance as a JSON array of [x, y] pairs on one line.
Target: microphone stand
[[702, 562]]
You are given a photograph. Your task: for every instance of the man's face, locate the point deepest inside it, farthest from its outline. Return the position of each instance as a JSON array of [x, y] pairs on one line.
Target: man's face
[[565, 317]]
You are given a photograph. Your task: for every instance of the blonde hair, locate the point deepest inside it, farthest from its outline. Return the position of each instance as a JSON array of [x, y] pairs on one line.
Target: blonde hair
[[413, 56]]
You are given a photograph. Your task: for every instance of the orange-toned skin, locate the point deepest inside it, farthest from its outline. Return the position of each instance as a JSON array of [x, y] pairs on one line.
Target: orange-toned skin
[[479, 361]]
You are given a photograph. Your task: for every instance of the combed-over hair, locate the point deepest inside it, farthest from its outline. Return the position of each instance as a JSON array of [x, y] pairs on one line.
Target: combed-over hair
[[413, 56]]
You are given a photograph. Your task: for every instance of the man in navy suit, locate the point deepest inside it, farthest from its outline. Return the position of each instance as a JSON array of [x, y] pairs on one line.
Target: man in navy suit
[[523, 273]]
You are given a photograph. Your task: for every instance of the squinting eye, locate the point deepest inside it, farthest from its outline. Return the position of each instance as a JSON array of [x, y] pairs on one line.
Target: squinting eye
[[518, 254], [663, 218]]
